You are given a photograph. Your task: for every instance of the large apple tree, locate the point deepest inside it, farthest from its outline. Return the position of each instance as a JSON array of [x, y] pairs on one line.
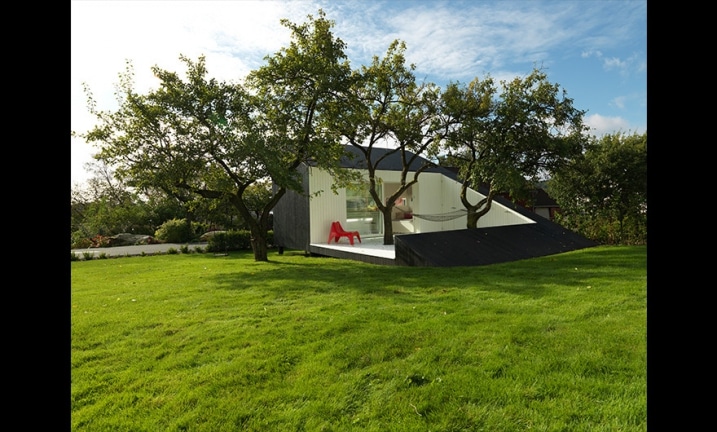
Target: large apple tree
[[389, 108], [511, 139], [216, 139]]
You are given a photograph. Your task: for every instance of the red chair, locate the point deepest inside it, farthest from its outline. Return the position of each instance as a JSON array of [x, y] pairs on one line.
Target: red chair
[[337, 231]]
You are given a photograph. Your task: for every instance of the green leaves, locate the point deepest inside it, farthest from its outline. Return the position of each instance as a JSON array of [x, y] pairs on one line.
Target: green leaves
[[506, 139], [608, 183], [215, 139], [219, 140]]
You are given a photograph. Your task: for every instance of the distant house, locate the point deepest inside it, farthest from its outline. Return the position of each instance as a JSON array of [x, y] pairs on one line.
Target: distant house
[[432, 205], [540, 203]]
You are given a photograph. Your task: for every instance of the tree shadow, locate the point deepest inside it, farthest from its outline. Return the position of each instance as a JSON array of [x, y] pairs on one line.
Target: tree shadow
[[533, 277]]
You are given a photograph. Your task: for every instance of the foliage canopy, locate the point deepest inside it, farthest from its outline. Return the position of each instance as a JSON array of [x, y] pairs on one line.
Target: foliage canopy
[[200, 140], [603, 192], [507, 140], [216, 139]]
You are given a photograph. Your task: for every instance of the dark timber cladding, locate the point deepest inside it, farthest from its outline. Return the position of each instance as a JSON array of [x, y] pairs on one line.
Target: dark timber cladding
[[291, 217], [483, 246]]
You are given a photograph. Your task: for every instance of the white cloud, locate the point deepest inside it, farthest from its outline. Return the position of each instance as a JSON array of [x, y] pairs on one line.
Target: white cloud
[[154, 33], [591, 53], [619, 102], [601, 125], [451, 40], [482, 37], [614, 63]]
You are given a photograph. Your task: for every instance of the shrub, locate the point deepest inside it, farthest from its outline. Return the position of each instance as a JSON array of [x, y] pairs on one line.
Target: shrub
[[234, 240], [607, 231], [88, 255], [74, 257], [172, 251], [81, 243], [100, 241], [184, 249], [223, 241], [175, 231]]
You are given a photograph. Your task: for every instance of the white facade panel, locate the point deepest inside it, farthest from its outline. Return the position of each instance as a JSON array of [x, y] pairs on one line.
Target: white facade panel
[[499, 215], [326, 207], [434, 194]]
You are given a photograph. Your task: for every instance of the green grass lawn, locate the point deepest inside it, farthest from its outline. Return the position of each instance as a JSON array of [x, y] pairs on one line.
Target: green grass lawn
[[197, 342]]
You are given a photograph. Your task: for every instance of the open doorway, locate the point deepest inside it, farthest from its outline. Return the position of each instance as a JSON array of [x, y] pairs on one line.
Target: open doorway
[[362, 215], [402, 212]]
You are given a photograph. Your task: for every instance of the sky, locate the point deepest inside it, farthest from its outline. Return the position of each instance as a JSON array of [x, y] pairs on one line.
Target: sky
[[596, 50]]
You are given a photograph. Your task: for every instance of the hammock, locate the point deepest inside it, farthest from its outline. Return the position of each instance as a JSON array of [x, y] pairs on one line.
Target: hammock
[[441, 217]]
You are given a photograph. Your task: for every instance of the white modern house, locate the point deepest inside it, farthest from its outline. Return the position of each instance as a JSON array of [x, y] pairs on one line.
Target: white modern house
[[303, 221]]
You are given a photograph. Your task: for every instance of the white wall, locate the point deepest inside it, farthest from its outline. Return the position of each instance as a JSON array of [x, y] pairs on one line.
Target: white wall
[[439, 194], [325, 208], [499, 215], [433, 195]]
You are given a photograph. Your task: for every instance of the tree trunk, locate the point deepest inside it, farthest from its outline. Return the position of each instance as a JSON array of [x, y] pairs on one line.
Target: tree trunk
[[259, 246], [472, 219], [473, 213], [387, 227]]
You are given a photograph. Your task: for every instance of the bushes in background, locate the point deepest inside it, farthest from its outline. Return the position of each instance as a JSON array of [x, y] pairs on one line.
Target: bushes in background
[[177, 231], [234, 240]]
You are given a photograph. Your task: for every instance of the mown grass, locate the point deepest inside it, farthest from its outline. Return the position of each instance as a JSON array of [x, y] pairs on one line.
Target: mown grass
[[204, 343]]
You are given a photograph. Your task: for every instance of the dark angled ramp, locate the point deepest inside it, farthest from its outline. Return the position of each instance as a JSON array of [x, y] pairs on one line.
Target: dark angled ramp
[[485, 246]]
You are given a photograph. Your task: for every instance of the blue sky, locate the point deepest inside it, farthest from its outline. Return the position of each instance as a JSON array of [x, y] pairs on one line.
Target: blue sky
[[595, 49]]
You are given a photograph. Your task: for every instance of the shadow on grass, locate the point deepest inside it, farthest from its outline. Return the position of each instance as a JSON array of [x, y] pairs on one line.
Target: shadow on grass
[[294, 271]]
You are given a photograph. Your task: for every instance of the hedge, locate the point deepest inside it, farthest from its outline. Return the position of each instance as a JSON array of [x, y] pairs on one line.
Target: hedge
[[234, 240]]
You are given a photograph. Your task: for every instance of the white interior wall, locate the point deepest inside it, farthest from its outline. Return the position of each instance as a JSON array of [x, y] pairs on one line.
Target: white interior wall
[[325, 208], [434, 194]]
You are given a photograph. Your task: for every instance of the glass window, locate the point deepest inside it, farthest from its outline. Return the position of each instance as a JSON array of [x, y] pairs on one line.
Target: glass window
[[362, 215]]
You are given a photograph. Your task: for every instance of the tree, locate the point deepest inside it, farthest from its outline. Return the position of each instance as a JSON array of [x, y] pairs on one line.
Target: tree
[[106, 206], [510, 141], [606, 185], [388, 106], [218, 139]]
